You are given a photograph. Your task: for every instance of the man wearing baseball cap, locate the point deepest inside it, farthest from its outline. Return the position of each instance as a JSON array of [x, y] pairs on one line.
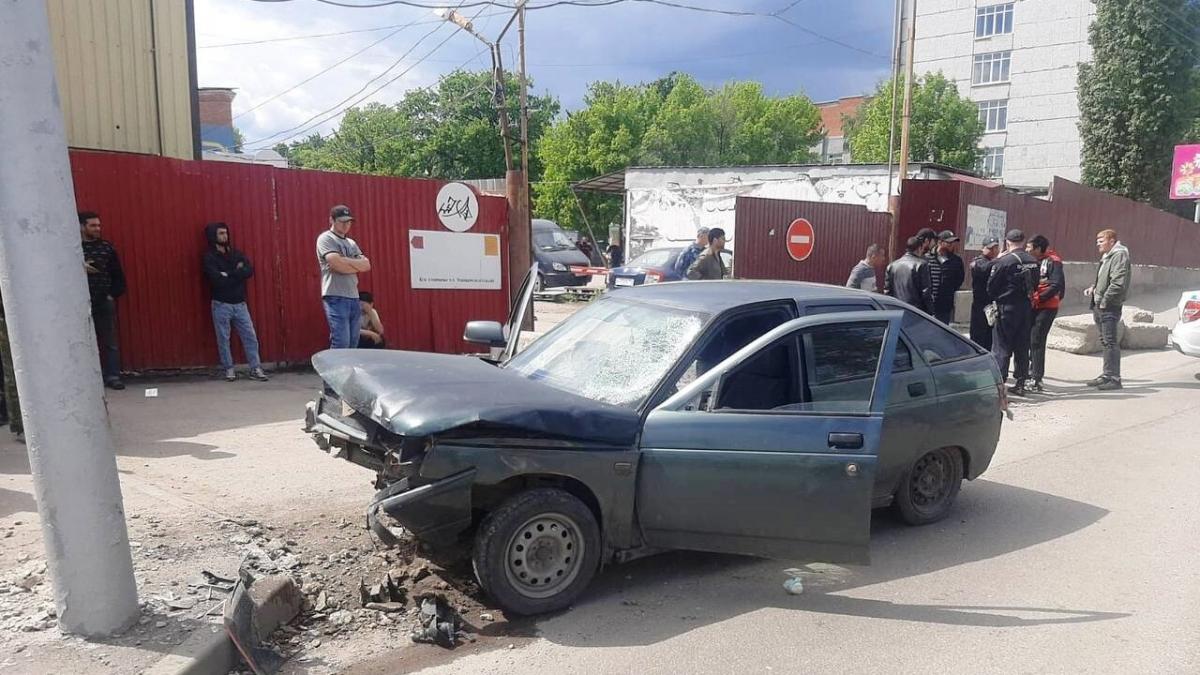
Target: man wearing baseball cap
[[981, 271], [341, 261], [1012, 282], [951, 277]]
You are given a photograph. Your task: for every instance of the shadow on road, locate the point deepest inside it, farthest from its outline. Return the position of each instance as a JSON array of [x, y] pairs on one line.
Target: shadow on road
[[661, 597]]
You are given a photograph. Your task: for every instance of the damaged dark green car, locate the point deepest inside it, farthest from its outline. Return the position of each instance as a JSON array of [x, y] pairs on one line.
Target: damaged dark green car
[[759, 418]]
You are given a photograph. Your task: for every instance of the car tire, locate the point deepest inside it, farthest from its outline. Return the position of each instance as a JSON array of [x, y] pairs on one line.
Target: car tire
[[537, 551], [929, 487], [539, 283]]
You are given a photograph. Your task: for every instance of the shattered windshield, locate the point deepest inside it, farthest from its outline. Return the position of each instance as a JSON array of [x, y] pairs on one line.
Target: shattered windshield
[[612, 351]]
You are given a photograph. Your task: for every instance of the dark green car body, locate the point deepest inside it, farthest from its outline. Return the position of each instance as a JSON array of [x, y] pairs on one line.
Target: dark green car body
[[786, 412]]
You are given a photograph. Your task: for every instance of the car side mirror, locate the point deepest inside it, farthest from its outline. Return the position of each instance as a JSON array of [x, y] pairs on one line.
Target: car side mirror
[[489, 333]]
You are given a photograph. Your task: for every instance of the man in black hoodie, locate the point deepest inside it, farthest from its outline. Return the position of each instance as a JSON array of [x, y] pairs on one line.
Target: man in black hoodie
[[227, 270]]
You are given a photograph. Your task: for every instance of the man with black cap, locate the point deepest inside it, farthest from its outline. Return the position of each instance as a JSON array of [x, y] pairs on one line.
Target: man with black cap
[[952, 275], [907, 277], [341, 262], [981, 271], [1011, 283]]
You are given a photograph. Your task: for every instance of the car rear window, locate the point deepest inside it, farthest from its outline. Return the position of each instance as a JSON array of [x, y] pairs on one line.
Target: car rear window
[[935, 342], [657, 258]]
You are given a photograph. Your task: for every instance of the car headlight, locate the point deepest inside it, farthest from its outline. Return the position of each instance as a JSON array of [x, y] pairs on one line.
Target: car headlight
[[559, 267]]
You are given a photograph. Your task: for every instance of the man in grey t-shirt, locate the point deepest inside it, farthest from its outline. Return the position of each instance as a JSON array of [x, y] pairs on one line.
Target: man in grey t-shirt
[[863, 276], [341, 262]]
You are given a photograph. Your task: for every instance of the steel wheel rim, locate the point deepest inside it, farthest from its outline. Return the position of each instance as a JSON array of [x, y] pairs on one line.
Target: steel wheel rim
[[544, 555], [930, 483]]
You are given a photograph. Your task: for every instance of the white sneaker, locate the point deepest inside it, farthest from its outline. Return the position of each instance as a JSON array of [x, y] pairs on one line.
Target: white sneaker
[[230, 375], [258, 374]]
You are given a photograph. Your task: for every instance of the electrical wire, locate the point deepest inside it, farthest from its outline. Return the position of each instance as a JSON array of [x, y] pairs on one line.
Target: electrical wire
[[325, 70]]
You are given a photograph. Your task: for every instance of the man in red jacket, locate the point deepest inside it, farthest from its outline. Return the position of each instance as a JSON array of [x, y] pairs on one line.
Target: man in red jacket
[[1052, 285]]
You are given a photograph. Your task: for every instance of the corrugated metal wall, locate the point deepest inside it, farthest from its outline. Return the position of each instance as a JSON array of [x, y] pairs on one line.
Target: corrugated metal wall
[[1070, 219], [123, 74], [841, 232], [154, 210]]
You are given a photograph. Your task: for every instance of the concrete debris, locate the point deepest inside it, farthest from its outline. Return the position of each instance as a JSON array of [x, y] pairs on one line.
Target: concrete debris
[[341, 617], [440, 624], [794, 586], [487, 618], [385, 606]]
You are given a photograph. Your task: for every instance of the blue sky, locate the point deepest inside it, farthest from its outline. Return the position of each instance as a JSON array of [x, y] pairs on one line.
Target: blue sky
[[568, 47]]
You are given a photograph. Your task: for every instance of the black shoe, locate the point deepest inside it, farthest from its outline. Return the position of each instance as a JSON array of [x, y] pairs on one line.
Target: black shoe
[[116, 384], [1036, 387], [1017, 389], [1110, 385], [1098, 381]]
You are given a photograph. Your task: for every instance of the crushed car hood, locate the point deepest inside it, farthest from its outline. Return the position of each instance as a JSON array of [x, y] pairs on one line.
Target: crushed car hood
[[418, 394]]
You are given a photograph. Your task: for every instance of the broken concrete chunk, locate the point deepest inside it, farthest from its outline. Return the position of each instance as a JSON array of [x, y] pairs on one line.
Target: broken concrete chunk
[[440, 624], [1136, 315], [341, 618], [1145, 336], [386, 606]]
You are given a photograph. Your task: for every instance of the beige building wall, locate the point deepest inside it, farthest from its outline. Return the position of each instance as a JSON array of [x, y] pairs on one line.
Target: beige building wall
[[125, 74]]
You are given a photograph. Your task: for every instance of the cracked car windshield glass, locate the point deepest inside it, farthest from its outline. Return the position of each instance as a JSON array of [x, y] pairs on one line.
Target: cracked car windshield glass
[[612, 351]]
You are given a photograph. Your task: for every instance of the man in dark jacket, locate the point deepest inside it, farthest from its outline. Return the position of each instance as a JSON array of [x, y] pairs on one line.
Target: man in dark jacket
[[12, 402], [1052, 285], [227, 270], [1011, 284], [688, 256], [106, 283], [907, 278], [709, 265], [952, 274], [981, 271]]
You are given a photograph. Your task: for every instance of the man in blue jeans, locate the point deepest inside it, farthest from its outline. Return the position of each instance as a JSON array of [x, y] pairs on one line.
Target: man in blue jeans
[[227, 270], [1108, 296], [341, 262]]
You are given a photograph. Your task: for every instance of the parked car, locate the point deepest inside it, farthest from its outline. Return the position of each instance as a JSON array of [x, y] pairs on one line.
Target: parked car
[[653, 266], [1185, 337], [556, 253], [758, 418]]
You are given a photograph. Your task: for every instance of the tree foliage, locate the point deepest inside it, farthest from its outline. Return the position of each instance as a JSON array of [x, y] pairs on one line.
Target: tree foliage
[[449, 131], [673, 121], [944, 126], [1137, 97]]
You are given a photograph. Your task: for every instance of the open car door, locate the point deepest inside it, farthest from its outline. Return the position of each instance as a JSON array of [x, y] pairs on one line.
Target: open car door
[[773, 452], [522, 305]]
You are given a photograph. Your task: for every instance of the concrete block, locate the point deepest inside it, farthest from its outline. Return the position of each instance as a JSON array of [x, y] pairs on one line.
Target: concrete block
[[277, 600], [1075, 334], [1145, 336]]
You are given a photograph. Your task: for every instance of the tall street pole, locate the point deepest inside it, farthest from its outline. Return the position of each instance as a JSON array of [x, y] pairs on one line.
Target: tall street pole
[[907, 115], [893, 203], [527, 210], [71, 452]]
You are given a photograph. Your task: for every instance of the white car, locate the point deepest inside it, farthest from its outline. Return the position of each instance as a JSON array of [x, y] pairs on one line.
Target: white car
[[1185, 338]]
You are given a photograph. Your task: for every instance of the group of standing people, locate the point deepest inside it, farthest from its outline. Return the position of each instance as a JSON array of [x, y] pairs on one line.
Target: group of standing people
[[701, 260], [1016, 295]]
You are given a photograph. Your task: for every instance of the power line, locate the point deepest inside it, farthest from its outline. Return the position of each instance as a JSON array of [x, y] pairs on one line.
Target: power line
[[309, 37], [325, 70]]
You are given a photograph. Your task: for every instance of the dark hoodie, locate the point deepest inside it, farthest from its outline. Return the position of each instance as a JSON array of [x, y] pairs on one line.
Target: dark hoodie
[[226, 272]]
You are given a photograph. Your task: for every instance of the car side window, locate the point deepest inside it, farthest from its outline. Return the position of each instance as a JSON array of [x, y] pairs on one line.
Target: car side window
[[935, 342], [728, 338], [830, 369], [903, 360]]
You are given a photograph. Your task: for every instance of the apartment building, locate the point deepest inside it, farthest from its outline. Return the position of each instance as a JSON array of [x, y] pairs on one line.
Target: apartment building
[[1019, 62]]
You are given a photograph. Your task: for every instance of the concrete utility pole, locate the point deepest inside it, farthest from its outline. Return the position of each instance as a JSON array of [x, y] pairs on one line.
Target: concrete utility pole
[[906, 118], [71, 454], [894, 203]]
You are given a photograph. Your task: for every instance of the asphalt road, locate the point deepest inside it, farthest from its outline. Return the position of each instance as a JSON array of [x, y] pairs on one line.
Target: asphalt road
[[1076, 552]]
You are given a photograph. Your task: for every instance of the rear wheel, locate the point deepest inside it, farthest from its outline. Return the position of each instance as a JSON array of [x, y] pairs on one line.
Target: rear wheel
[[927, 492], [538, 551]]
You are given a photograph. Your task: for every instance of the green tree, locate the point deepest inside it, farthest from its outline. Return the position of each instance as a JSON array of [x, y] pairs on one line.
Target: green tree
[[944, 127], [1136, 97], [448, 131], [673, 121], [239, 139]]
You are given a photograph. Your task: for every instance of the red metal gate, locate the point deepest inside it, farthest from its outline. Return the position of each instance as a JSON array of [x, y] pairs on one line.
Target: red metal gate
[[154, 210]]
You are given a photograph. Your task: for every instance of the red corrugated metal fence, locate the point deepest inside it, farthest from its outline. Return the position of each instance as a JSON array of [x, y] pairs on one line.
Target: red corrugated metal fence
[[841, 235], [154, 210]]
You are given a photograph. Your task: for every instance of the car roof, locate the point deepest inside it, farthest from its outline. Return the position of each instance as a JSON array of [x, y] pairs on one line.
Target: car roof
[[717, 296]]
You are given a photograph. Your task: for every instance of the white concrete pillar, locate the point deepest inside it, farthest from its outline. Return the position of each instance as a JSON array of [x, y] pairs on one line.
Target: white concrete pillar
[[57, 365]]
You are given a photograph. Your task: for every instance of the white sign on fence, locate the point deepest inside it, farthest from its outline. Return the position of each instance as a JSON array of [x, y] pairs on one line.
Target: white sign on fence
[[457, 207], [462, 260], [984, 223]]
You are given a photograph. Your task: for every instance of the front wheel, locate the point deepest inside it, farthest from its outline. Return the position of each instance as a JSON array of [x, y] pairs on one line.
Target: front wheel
[[537, 552], [930, 486]]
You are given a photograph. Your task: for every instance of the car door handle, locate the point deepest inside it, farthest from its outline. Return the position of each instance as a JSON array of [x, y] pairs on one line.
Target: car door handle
[[844, 441], [916, 389]]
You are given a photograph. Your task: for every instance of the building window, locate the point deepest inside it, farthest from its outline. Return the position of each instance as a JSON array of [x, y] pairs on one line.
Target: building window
[[992, 162], [994, 115], [993, 20], [991, 67]]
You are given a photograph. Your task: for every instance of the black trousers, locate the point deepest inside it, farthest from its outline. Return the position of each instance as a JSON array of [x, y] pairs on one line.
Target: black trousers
[[1010, 340], [1043, 320], [981, 332], [104, 316]]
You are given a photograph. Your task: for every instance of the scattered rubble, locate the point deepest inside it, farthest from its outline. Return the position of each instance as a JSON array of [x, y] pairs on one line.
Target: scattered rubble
[[440, 624]]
